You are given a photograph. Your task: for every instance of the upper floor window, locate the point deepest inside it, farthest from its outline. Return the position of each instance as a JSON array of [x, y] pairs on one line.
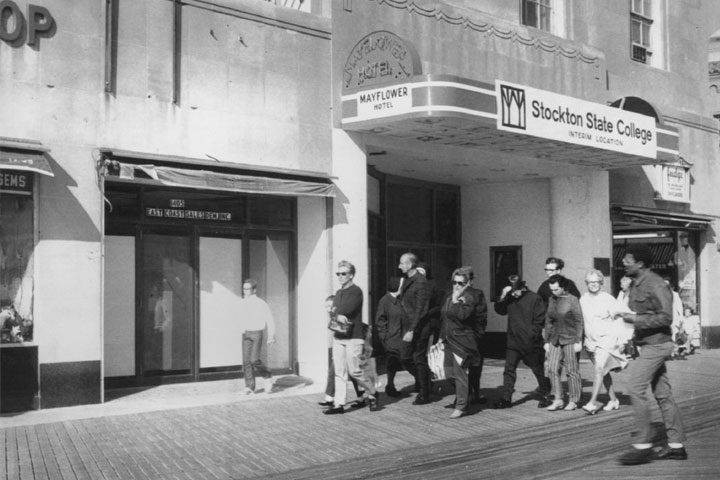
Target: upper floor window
[[641, 23], [537, 13]]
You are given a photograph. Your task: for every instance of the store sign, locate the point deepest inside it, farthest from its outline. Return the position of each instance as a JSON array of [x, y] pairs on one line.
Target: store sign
[[383, 102], [379, 58], [177, 211], [547, 115], [16, 182], [675, 183], [39, 22]]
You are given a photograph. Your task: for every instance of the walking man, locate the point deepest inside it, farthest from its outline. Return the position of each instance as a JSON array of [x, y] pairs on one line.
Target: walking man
[[554, 266], [415, 299], [256, 317], [526, 319], [650, 302]]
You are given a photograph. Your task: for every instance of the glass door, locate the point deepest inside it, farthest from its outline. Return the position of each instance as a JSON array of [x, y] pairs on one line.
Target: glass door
[[167, 299]]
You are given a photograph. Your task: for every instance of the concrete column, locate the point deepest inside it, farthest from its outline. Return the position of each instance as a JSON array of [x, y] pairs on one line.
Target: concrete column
[[581, 229], [349, 237]]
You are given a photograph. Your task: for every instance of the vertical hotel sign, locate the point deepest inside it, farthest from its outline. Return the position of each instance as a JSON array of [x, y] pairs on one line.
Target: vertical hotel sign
[[548, 115]]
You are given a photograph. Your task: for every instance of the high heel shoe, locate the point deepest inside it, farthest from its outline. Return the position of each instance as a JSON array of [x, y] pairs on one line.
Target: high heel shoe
[[612, 405], [556, 405], [591, 408]]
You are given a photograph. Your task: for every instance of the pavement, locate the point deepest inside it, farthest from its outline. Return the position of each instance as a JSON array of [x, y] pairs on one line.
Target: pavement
[[209, 430]]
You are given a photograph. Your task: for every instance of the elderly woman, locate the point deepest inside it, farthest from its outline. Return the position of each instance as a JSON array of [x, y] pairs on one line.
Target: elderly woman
[[603, 339], [563, 337], [459, 323]]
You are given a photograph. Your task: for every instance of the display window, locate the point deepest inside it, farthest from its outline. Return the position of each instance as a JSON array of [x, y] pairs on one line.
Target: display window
[[16, 256]]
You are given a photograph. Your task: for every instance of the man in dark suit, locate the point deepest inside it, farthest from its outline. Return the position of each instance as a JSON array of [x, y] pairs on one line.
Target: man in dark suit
[[415, 299]]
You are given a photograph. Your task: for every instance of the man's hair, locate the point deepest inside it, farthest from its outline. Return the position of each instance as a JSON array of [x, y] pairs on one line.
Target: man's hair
[[252, 282], [412, 258], [393, 284], [560, 280], [557, 261], [348, 265], [641, 253]]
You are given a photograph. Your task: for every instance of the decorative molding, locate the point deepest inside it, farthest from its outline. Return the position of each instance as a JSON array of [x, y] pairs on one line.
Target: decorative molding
[[509, 33], [687, 123]]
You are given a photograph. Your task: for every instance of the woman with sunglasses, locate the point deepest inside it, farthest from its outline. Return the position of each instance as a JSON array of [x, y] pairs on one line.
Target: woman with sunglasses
[[459, 324]]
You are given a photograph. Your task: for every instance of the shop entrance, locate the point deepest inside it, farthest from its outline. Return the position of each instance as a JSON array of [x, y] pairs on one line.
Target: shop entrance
[[173, 283]]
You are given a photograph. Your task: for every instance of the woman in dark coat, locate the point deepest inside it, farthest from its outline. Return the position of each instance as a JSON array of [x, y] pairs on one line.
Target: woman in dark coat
[[392, 323], [460, 322]]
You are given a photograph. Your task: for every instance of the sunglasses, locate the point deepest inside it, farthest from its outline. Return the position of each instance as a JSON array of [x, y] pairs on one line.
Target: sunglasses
[[551, 269], [342, 274], [462, 284]]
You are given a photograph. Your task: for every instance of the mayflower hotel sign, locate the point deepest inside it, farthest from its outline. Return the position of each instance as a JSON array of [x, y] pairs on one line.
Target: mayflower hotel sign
[[530, 111]]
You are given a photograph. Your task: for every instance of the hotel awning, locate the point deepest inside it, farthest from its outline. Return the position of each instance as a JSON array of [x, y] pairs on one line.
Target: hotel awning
[[627, 217], [453, 111], [25, 158], [188, 173]]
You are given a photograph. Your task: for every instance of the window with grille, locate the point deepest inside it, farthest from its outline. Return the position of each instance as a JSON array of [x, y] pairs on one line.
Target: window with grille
[[536, 13], [641, 22]]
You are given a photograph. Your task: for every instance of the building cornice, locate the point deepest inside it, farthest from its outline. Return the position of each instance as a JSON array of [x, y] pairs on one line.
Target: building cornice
[[445, 14]]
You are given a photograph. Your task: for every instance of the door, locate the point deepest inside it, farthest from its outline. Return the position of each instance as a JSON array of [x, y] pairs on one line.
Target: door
[[167, 303]]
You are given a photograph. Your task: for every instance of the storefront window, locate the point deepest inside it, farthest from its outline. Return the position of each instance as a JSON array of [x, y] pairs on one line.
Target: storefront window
[[16, 257]]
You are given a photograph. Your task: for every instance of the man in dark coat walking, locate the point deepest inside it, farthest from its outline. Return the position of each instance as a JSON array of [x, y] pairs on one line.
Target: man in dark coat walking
[[526, 319]]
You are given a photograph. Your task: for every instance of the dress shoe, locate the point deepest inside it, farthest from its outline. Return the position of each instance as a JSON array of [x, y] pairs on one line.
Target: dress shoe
[[502, 403], [612, 405], [555, 405], [570, 406], [334, 410], [392, 392], [544, 402], [326, 403], [637, 456], [374, 404], [457, 413], [420, 400], [361, 403], [591, 408], [248, 391], [668, 453]]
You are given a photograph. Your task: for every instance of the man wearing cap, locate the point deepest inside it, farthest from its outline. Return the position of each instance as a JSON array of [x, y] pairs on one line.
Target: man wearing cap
[[650, 302], [526, 319], [415, 299]]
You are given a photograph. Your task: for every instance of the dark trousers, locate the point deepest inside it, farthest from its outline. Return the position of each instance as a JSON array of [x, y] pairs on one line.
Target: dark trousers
[[474, 374], [330, 385], [421, 337], [461, 384], [395, 362], [252, 365], [535, 360]]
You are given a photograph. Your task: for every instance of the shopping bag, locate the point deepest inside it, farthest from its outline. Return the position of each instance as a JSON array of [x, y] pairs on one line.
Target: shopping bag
[[436, 361]]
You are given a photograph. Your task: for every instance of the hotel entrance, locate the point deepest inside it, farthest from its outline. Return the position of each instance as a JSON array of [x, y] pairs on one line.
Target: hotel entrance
[[175, 261]]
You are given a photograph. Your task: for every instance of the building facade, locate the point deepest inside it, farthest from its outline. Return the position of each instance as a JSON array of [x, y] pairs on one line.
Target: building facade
[[156, 153]]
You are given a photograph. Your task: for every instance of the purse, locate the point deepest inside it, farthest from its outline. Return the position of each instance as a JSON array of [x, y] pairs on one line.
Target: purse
[[341, 329]]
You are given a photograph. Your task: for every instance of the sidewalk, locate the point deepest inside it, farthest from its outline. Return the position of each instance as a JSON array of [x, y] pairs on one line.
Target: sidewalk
[[208, 431]]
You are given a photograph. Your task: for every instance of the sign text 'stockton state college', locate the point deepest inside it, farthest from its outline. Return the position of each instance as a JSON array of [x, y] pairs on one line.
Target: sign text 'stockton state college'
[[539, 113]]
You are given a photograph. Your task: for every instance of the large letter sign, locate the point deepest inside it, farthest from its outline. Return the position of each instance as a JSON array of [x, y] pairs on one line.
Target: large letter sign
[[13, 24]]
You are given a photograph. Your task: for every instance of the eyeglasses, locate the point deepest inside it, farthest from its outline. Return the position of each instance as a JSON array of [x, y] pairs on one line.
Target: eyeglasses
[[462, 284], [551, 269], [342, 274]]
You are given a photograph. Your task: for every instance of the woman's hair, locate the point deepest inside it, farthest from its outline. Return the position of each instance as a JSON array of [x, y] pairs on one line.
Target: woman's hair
[[595, 273], [348, 265], [252, 282], [460, 272], [560, 280]]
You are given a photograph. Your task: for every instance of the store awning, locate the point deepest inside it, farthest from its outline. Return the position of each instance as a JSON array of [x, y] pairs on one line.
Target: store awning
[[194, 176], [639, 217], [12, 158]]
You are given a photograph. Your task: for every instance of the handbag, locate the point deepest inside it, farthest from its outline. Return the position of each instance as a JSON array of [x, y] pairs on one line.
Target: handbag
[[341, 329], [436, 360]]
